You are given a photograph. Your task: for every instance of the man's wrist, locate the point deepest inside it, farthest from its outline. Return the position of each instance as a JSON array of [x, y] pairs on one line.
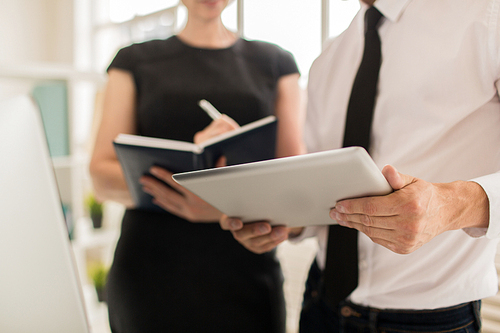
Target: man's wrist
[[482, 204], [473, 205]]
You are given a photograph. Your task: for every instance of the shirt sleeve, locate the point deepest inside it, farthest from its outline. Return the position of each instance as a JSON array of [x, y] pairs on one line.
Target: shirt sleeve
[[286, 63], [315, 115], [124, 59], [491, 185]]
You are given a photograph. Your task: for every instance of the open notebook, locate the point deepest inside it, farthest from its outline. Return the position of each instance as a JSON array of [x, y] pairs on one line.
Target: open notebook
[[39, 286]]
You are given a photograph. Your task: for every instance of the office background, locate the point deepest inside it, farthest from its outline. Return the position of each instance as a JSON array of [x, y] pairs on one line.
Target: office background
[[58, 50]]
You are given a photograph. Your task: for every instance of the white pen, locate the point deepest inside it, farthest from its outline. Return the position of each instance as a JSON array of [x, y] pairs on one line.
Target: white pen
[[209, 109]]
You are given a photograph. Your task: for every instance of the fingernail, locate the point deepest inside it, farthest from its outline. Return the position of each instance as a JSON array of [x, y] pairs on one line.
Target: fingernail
[[279, 233], [153, 171], [340, 208], [335, 215], [263, 229], [235, 225]]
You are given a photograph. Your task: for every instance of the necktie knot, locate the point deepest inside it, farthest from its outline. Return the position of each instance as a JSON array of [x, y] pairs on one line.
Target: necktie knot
[[372, 17]]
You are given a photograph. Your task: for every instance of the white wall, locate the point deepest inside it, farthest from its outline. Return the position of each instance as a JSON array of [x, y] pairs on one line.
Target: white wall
[[36, 31], [61, 30], [33, 32]]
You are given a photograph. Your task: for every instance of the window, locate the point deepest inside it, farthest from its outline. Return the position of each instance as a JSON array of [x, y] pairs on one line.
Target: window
[[341, 13], [125, 10], [117, 23], [296, 25]]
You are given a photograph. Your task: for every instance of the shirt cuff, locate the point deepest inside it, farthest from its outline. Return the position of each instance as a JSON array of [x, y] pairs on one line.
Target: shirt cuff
[[475, 232], [491, 185]]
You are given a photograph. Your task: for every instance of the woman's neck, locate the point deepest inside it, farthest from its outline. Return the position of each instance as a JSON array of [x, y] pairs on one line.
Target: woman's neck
[[211, 34]]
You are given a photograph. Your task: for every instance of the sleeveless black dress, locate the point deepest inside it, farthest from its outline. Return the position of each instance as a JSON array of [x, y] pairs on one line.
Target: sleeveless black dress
[[170, 275]]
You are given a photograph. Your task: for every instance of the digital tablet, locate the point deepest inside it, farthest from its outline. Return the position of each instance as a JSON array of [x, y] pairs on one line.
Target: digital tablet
[[293, 191]]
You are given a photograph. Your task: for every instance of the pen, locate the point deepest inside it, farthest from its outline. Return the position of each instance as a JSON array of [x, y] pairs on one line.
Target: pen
[[209, 109]]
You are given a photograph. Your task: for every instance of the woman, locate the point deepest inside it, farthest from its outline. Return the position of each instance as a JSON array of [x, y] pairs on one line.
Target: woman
[[177, 271]]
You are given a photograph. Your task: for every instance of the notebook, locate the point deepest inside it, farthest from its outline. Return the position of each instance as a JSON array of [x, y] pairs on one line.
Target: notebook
[[39, 286], [293, 191], [137, 154]]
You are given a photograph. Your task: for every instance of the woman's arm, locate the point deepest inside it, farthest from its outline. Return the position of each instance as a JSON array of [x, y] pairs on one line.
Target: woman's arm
[[118, 117], [290, 111]]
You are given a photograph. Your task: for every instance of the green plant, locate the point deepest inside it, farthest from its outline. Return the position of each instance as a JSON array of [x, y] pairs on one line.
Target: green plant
[[98, 273], [94, 207], [95, 210]]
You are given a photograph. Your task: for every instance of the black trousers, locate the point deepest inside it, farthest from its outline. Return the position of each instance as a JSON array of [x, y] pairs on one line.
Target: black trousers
[[318, 316]]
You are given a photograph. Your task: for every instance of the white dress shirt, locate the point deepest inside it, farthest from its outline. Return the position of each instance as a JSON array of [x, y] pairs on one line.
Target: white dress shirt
[[437, 117]]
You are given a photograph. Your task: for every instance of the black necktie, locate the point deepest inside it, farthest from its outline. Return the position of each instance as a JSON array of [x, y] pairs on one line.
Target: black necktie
[[341, 269]]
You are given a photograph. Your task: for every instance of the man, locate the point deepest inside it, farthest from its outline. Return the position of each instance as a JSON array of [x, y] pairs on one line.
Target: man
[[426, 251]]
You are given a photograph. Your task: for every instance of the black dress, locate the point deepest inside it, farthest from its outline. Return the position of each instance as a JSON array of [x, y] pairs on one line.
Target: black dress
[[170, 275]]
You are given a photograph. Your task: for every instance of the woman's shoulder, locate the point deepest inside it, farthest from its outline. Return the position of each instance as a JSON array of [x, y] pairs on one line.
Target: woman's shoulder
[[152, 48], [261, 48], [129, 57], [268, 54]]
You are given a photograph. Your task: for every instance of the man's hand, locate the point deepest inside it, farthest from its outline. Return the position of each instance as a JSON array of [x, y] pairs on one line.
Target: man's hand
[[416, 212], [176, 199], [257, 237]]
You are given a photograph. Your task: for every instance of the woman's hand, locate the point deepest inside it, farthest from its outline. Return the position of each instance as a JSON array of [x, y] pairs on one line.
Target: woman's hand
[[176, 199], [258, 237], [222, 125]]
